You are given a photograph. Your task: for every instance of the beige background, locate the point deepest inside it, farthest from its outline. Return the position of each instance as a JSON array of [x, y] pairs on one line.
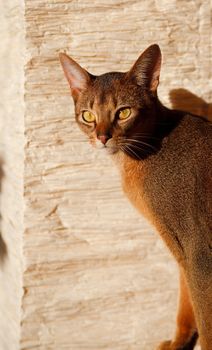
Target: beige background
[[96, 275], [12, 56]]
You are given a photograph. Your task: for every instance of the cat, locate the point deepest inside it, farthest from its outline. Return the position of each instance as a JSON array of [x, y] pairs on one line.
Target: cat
[[165, 161]]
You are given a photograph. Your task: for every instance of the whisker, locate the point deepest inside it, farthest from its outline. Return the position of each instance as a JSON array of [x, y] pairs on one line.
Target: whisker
[[146, 136], [130, 144], [144, 151], [135, 146], [141, 149], [129, 150], [142, 143]]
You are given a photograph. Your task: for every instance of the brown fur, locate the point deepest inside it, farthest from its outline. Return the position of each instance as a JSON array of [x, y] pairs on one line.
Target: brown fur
[[165, 161]]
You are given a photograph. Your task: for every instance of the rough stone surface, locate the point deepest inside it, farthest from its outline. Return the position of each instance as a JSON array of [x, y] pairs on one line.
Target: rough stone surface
[[12, 161], [96, 275]]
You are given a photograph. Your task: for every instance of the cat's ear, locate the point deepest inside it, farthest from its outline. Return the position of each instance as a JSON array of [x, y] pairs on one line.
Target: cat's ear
[[146, 69], [77, 76]]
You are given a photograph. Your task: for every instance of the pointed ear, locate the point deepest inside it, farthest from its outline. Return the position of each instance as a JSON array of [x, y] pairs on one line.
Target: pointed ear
[[77, 76], [146, 69]]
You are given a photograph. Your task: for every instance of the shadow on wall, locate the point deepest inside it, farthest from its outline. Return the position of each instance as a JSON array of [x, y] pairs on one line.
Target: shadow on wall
[[3, 247], [186, 101]]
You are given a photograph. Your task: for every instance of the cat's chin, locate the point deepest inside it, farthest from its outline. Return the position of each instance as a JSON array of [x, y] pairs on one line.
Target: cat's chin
[[110, 146], [108, 149], [111, 150]]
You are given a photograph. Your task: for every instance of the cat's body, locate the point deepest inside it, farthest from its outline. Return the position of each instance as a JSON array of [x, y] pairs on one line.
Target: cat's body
[[165, 161], [153, 185], [183, 218]]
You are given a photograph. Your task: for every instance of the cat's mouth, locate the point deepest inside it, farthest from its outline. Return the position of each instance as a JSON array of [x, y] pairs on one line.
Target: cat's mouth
[[110, 146], [137, 148]]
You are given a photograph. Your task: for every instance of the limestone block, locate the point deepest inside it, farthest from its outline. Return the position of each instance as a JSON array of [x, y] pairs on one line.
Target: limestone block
[[12, 50], [97, 276]]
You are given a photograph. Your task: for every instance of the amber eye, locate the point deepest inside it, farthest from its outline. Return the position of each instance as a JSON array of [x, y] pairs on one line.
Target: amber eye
[[88, 117], [124, 113]]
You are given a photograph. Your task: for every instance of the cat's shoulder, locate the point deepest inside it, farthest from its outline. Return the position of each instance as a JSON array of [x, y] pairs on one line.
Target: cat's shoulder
[[196, 125], [195, 119]]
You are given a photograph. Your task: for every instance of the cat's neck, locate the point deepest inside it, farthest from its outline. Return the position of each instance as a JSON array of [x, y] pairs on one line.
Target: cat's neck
[[133, 171], [166, 119], [162, 121]]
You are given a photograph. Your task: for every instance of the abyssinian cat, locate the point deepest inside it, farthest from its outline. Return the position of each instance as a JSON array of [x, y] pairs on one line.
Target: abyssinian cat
[[165, 161]]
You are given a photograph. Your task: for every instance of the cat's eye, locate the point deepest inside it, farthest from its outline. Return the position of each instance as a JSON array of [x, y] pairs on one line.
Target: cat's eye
[[124, 113], [88, 117]]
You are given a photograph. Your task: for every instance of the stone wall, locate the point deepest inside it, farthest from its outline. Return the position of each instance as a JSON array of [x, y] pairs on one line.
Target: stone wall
[[12, 48], [96, 275]]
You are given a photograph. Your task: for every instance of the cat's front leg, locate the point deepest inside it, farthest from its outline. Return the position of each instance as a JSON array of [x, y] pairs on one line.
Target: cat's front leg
[[199, 276], [186, 333]]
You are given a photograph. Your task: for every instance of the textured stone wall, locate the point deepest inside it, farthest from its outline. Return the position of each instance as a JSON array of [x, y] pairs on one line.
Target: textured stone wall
[[12, 55], [96, 275]]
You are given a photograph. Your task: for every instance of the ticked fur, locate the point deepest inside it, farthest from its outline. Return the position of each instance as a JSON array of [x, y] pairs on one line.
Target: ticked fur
[[165, 161]]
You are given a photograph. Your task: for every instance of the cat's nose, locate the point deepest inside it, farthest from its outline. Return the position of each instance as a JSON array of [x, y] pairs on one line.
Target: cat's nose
[[103, 138]]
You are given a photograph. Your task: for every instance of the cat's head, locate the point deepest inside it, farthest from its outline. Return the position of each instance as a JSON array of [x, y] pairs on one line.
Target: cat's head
[[117, 110]]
